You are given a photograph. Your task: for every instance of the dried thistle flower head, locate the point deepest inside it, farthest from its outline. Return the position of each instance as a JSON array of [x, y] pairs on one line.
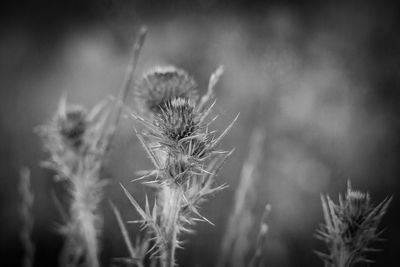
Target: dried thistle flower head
[[72, 124], [161, 84], [350, 227], [75, 130]]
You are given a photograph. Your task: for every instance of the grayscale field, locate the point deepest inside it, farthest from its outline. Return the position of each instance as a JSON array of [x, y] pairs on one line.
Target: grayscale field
[[204, 133]]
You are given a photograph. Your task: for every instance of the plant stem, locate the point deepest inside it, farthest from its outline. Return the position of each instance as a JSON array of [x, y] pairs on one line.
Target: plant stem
[[173, 197], [25, 210]]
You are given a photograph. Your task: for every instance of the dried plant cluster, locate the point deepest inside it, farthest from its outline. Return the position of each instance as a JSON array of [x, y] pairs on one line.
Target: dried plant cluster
[[176, 136], [184, 153], [351, 228]]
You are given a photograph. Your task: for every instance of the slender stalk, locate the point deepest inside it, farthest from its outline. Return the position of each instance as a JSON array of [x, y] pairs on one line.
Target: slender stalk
[[257, 260], [126, 83], [27, 217], [134, 255], [123, 230]]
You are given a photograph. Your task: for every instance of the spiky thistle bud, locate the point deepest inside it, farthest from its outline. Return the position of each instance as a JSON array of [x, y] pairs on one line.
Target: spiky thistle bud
[[350, 228], [177, 119], [161, 84]]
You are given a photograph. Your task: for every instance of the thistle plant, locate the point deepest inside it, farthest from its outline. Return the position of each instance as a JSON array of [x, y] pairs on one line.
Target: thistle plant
[[76, 140], [351, 228], [183, 151]]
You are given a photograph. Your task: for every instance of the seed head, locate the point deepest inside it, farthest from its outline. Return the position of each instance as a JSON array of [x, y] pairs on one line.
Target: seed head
[[162, 84]]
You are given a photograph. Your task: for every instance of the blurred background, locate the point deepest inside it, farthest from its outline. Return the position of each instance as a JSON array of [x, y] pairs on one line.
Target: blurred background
[[322, 79]]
